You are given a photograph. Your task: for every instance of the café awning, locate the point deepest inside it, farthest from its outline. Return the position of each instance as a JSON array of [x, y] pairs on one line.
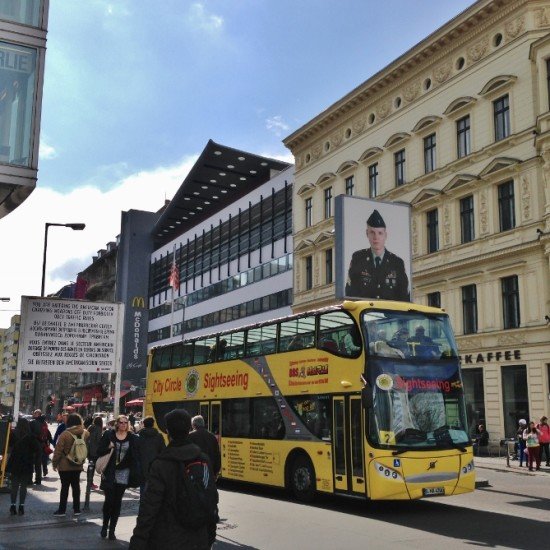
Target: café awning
[[134, 402]]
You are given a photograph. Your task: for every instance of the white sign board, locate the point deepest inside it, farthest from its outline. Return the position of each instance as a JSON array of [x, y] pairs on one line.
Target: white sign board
[[60, 335]]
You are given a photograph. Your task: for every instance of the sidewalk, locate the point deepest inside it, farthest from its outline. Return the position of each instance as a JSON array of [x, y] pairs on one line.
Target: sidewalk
[[39, 529], [498, 463]]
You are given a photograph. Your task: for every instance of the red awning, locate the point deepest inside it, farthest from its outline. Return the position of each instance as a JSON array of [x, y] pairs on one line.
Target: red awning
[[78, 405], [134, 402]]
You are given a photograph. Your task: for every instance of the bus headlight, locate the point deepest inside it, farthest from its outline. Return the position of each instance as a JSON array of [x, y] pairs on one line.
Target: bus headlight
[[387, 473], [468, 468]]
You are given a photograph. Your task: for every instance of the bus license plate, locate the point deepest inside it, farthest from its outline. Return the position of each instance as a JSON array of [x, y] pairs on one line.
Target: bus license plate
[[433, 491]]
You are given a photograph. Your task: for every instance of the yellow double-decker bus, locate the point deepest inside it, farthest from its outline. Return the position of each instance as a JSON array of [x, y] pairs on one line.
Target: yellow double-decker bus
[[364, 398]]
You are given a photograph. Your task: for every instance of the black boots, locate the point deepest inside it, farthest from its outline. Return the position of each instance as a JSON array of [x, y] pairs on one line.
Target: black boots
[[13, 510], [21, 509], [104, 531]]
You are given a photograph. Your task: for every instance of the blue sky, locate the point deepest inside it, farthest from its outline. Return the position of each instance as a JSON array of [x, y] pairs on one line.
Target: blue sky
[[134, 89]]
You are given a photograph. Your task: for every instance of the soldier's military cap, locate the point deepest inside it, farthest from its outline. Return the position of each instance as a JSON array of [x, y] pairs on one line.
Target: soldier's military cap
[[376, 220]]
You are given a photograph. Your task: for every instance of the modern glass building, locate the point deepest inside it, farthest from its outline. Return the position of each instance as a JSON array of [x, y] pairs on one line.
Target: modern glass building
[[23, 27], [228, 231]]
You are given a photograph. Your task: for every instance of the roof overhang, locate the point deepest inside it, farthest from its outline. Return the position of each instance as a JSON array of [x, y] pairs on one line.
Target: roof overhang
[[220, 176]]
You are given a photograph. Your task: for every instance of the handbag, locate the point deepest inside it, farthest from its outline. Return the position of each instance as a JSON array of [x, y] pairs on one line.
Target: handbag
[[47, 450], [101, 462]]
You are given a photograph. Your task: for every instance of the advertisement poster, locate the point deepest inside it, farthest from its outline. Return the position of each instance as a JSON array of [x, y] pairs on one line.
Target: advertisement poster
[[373, 249]]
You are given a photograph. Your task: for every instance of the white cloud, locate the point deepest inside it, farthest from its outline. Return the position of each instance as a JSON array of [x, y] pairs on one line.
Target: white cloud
[[288, 157], [277, 125], [23, 229], [198, 18], [46, 151]]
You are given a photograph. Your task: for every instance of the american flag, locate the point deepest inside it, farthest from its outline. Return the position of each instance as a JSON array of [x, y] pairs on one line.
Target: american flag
[[174, 277]]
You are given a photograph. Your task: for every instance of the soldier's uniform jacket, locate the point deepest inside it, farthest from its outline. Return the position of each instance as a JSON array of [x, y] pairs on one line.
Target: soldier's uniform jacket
[[387, 282]]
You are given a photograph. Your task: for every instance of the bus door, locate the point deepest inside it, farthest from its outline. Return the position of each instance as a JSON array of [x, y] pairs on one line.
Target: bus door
[[348, 444], [216, 419], [203, 411]]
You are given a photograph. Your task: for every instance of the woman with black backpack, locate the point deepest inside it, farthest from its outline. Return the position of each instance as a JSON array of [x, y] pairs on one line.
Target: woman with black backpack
[[25, 450], [123, 470]]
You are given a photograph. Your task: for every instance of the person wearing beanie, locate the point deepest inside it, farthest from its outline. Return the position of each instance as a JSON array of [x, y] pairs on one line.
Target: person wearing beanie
[[157, 525]]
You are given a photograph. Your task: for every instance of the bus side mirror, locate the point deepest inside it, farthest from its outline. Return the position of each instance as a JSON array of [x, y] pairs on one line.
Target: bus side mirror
[[367, 398]]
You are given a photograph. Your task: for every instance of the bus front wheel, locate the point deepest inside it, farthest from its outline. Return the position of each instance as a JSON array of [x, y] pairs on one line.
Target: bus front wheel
[[302, 479]]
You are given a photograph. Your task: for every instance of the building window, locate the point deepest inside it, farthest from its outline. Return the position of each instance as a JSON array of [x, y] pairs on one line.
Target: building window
[[463, 136], [467, 219], [429, 153], [328, 202], [506, 208], [469, 309], [373, 180], [349, 186], [18, 77], [433, 237], [475, 398], [515, 398], [510, 301], [309, 209], [399, 161], [501, 113], [309, 272], [434, 299], [328, 266], [26, 12]]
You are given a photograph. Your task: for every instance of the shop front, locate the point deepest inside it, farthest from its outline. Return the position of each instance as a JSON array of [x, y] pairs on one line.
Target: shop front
[[503, 386]]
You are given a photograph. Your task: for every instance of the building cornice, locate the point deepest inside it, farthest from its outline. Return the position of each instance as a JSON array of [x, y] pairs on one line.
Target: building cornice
[[449, 269], [405, 70]]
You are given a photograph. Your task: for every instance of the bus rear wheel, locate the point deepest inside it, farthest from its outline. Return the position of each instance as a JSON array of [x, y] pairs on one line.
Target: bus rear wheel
[[302, 479]]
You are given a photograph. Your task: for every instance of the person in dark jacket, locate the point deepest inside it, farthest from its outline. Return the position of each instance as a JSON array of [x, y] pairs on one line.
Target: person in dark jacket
[[61, 427], [157, 526], [24, 452], [151, 443], [123, 470], [39, 428], [207, 442], [96, 432]]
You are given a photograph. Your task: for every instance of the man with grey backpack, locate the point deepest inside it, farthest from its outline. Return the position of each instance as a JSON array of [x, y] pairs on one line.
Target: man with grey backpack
[[68, 458]]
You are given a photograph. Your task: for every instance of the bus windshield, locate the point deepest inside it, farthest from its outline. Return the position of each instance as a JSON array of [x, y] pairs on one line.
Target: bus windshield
[[417, 394], [409, 335]]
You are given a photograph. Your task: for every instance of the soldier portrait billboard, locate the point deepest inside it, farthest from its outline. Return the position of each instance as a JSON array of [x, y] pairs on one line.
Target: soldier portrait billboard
[[373, 249]]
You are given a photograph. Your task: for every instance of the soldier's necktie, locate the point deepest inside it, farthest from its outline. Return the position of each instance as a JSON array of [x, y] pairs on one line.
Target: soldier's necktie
[[377, 262]]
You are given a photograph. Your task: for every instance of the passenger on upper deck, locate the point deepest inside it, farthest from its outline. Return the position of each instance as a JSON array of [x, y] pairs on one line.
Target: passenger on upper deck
[[423, 345]]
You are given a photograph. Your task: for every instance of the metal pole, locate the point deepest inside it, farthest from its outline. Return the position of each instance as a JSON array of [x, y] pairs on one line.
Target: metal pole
[[44, 260], [42, 290], [89, 481]]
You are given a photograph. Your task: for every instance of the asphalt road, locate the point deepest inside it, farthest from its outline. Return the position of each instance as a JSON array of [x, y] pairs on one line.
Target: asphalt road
[[513, 511]]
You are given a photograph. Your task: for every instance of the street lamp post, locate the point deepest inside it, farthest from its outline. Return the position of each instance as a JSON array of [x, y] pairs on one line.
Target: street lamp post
[[73, 226]]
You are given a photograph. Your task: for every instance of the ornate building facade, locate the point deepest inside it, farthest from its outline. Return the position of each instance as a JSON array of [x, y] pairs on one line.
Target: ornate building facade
[[459, 128]]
